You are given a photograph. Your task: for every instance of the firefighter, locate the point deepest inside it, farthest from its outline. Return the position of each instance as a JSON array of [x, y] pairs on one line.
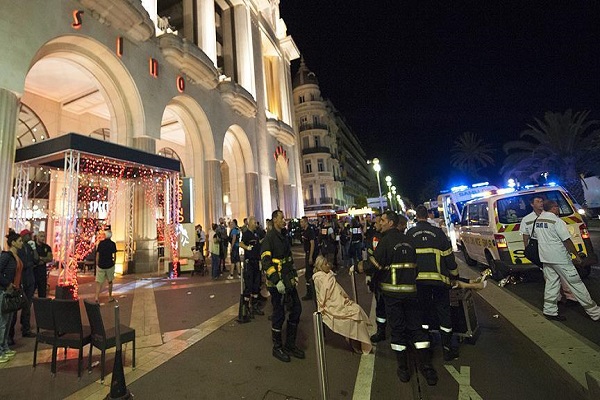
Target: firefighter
[[282, 279], [309, 239], [251, 244], [436, 269], [380, 315], [395, 261]]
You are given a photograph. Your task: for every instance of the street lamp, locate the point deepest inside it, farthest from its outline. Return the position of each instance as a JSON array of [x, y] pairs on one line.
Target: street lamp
[[388, 181], [377, 168], [394, 196]]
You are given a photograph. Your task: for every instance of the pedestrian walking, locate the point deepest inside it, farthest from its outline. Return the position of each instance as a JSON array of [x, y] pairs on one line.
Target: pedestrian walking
[[555, 249], [282, 279], [215, 252]]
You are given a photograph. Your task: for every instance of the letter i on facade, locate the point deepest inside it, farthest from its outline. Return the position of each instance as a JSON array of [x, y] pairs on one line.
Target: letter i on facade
[[153, 67], [120, 46]]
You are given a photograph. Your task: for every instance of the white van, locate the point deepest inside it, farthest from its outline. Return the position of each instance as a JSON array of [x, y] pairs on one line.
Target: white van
[[489, 230]]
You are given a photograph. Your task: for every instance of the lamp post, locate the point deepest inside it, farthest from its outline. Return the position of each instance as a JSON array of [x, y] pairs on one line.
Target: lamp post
[[377, 168], [394, 196], [388, 181]]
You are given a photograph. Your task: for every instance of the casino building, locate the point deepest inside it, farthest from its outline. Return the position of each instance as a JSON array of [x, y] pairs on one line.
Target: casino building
[[205, 82]]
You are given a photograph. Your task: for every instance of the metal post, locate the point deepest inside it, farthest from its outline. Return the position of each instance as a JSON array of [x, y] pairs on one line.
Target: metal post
[[321, 363], [118, 387], [353, 281], [380, 198]]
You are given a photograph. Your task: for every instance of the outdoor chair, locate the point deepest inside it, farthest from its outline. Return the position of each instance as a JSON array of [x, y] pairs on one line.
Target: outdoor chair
[[44, 322], [69, 330], [104, 339]]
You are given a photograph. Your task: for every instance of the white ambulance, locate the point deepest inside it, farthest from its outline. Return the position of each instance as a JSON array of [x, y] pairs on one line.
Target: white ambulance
[[450, 205], [489, 230]]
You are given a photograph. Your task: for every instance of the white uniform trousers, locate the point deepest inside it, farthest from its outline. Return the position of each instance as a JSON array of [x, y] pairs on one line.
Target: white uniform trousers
[[553, 274]]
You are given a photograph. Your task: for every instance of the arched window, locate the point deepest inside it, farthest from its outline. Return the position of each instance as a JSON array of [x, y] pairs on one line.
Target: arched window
[[30, 129], [170, 153]]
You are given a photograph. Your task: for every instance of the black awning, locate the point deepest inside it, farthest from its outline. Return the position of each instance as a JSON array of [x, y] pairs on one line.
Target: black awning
[[51, 153]]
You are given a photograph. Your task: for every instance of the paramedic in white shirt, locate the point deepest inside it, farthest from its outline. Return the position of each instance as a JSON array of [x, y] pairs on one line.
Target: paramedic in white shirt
[[556, 247]]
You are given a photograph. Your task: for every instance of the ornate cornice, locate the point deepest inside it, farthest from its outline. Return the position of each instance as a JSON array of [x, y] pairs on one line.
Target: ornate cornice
[[281, 131], [239, 98], [128, 16], [190, 59]]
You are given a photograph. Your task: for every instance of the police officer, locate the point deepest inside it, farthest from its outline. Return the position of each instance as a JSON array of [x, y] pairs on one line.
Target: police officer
[[395, 260], [282, 279], [251, 245], [436, 268], [309, 240], [380, 315]]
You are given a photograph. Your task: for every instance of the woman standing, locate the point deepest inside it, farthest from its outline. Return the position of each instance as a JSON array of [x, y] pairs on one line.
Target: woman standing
[[10, 277]]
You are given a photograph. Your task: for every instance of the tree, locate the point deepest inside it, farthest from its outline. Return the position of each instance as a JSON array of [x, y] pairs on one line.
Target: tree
[[360, 201], [561, 145], [471, 154]]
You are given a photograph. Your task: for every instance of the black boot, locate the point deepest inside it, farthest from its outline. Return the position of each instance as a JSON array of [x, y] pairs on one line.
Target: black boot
[[256, 310], [309, 292], [426, 367], [278, 352], [403, 372], [450, 350], [290, 341], [379, 336]]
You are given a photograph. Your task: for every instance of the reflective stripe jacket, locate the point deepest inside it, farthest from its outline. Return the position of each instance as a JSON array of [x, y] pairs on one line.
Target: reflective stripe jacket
[[435, 259], [277, 260], [395, 261]]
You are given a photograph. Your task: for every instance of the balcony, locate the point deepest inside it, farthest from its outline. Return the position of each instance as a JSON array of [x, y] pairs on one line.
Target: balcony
[[127, 16], [307, 126], [189, 59], [326, 200], [313, 150], [310, 202]]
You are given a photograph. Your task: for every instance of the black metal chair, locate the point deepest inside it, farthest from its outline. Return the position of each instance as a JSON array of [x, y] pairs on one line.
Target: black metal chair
[[44, 322], [69, 331], [104, 339]]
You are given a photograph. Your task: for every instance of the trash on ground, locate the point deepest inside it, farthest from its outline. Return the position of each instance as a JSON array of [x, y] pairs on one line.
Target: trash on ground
[[212, 296]]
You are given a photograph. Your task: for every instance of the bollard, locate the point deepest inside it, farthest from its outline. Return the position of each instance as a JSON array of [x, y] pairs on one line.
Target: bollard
[[320, 346], [353, 281], [243, 310], [118, 387]]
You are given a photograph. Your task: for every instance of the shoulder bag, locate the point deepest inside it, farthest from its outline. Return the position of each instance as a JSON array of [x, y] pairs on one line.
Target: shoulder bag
[[14, 299], [532, 251]]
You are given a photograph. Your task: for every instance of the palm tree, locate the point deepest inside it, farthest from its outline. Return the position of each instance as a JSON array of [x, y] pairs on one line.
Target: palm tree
[[561, 145], [470, 154]]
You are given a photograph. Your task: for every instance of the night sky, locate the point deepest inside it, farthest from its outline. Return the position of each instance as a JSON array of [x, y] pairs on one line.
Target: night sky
[[410, 76]]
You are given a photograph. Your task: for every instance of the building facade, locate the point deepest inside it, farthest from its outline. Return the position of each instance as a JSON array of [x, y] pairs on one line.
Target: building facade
[[206, 82], [333, 162]]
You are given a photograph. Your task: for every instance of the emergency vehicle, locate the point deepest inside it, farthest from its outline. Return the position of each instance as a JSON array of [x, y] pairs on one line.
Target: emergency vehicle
[[450, 205], [488, 232]]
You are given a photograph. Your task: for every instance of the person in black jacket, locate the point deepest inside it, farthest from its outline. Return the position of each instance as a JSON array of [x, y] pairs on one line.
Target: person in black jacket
[[10, 268], [282, 279], [29, 258], [309, 240], [436, 270], [395, 261]]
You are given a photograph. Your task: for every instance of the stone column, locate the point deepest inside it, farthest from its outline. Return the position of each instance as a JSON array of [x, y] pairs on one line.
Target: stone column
[[243, 48], [253, 196], [144, 220], [213, 189], [207, 34], [9, 112]]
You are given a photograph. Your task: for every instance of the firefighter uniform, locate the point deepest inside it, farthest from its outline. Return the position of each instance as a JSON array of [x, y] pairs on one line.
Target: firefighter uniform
[[252, 274], [394, 259], [380, 315], [436, 267], [278, 265]]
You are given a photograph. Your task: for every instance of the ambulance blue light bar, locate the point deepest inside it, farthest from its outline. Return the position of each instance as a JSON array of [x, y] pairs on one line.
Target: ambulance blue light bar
[[480, 184]]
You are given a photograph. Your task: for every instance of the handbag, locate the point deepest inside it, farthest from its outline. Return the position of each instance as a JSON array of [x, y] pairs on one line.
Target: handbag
[[532, 251], [14, 299]]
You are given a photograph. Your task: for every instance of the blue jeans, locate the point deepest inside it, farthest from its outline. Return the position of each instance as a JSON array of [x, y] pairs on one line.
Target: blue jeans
[[5, 320]]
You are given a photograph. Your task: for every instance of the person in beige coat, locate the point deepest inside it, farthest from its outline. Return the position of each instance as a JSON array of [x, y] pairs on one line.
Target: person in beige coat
[[340, 313]]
